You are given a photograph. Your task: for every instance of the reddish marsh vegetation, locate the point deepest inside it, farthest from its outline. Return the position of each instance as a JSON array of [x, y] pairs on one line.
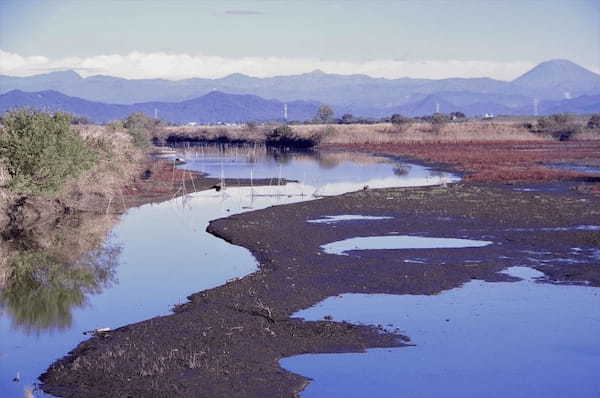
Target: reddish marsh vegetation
[[509, 161]]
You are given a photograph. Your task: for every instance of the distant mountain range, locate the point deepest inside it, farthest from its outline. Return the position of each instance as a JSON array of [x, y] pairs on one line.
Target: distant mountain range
[[210, 108], [557, 86]]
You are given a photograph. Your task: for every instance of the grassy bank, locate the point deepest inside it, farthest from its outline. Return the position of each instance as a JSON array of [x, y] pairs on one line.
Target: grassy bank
[[48, 165]]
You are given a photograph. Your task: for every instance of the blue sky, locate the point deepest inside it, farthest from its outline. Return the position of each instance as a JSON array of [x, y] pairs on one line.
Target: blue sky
[[179, 38]]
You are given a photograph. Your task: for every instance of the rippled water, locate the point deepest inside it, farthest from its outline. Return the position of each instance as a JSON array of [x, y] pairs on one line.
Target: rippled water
[[156, 255]]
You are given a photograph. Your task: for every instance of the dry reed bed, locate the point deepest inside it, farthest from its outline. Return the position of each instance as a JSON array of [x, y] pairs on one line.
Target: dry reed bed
[[384, 133], [368, 133], [233, 132], [117, 166]]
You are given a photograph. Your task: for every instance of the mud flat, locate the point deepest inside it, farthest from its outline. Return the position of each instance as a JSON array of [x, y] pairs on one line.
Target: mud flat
[[227, 341]]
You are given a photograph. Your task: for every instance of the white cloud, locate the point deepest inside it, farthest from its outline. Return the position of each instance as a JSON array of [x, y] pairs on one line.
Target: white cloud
[[179, 66]]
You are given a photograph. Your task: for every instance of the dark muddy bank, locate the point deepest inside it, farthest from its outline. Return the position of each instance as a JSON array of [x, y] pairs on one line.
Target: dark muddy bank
[[227, 341]]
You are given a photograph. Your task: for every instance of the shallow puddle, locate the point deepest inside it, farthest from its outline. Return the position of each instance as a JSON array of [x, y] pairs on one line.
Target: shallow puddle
[[342, 247], [576, 167], [161, 253], [519, 339], [346, 217]]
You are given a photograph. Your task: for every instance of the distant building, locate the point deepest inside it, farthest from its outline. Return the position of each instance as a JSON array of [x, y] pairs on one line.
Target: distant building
[[488, 116]]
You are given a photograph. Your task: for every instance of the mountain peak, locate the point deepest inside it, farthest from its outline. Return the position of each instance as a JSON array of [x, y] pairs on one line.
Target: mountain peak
[[237, 76], [557, 72], [63, 74]]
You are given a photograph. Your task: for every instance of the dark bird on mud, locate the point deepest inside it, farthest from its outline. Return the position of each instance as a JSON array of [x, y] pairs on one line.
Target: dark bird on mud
[[147, 174]]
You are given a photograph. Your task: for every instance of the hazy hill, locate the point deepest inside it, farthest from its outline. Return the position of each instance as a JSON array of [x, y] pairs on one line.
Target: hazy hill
[[550, 80], [221, 107], [213, 107], [217, 106], [53, 101]]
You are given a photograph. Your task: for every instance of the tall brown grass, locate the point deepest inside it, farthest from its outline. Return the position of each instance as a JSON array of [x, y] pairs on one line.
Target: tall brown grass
[[380, 133], [425, 132], [118, 164]]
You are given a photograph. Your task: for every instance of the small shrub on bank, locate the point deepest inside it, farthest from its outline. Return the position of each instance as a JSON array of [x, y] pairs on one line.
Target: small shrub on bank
[[41, 152], [561, 126], [79, 120], [142, 128], [284, 137], [438, 121], [324, 114], [594, 122], [401, 123]]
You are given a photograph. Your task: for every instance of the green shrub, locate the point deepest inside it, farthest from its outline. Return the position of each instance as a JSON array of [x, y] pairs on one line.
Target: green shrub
[[41, 151], [142, 128], [324, 114]]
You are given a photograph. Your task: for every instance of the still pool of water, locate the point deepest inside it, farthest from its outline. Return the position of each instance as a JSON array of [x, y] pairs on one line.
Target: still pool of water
[[519, 339], [160, 253], [346, 217], [395, 242]]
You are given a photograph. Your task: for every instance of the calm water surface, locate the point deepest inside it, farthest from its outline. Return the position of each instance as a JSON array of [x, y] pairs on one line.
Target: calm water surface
[[519, 339], [156, 255]]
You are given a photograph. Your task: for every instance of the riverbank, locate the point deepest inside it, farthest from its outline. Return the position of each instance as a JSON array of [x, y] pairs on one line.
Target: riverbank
[[227, 341], [379, 133]]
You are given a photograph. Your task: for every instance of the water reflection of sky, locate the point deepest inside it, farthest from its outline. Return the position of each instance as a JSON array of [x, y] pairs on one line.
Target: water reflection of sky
[[484, 339], [165, 253], [398, 242], [322, 174]]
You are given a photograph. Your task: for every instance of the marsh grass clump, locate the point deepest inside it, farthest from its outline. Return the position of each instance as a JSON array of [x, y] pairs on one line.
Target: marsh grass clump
[[284, 137], [400, 123], [40, 152], [594, 122], [560, 126], [438, 122]]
